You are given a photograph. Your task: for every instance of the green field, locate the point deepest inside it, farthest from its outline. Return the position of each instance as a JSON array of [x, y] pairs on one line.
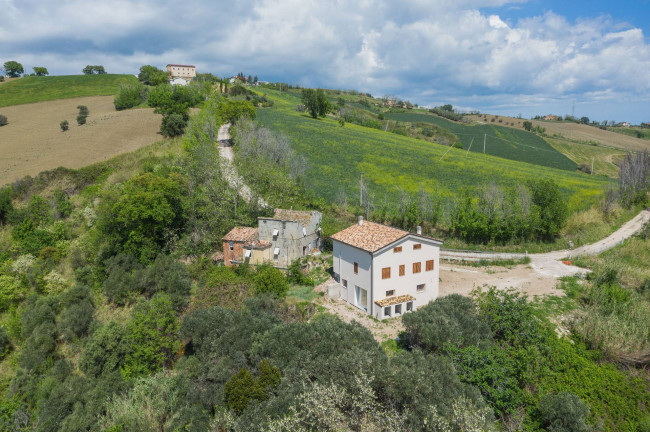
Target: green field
[[390, 163], [500, 141], [605, 159], [40, 89]]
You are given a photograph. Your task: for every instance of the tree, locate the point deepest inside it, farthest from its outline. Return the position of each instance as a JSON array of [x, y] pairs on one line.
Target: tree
[[241, 389], [528, 125], [229, 111], [40, 71], [6, 206], [270, 280], [173, 125], [151, 75], [316, 102], [13, 69], [97, 69], [584, 120], [149, 212], [64, 125], [151, 335], [553, 209]]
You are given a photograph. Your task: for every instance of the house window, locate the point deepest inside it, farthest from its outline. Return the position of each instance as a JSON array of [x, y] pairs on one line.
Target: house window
[[398, 309], [247, 254], [390, 293], [385, 273], [421, 288], [417, 267], [356, 268], [417, 246], [387, 311], [409, 307], [429, 265], [275, 234], [397, 249], [345, 283], [304, 250], [276, 252], [402, 270], [361, 298], [231, 245]]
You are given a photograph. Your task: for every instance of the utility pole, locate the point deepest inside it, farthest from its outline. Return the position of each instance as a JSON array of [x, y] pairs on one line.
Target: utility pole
[[592, 166], [484, 139]]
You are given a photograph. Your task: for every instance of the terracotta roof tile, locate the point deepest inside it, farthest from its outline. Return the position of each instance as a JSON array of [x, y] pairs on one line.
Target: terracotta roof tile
[[370, 236], [241, 234], [395, 300]]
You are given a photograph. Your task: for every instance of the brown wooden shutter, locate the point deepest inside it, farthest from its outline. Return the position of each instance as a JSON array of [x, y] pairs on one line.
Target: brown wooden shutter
[[356, 268], [417, 267], [385, 273], [429, 265], [402, 270]]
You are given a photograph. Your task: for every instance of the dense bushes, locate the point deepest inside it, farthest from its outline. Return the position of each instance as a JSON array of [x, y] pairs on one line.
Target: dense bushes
[[130, 95], [449, 320]]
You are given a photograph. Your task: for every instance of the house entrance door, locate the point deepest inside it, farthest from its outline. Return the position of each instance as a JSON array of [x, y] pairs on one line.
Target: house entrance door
[[361, 298]]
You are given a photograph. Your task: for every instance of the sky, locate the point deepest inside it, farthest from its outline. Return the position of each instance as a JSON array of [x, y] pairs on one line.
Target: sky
[[507, 57]]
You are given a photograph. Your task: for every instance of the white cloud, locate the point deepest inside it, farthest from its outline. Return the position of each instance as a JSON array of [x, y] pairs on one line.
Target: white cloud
[[420, 49]]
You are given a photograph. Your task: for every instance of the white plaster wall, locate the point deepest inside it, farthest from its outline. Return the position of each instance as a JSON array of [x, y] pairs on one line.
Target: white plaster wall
[[408, 283], [344, 258]]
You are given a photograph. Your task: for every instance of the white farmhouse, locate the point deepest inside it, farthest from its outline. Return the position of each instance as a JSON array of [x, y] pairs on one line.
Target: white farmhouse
[[386, 271]]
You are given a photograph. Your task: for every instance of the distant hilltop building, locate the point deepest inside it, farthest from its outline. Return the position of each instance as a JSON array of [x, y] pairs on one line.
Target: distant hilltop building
[[181, 71], [551, 117]]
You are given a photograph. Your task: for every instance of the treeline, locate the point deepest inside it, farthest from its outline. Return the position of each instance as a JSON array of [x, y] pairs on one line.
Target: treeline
[[536, 211]]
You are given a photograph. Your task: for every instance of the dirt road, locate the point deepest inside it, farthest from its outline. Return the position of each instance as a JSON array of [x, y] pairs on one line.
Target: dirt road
[[230, 172]]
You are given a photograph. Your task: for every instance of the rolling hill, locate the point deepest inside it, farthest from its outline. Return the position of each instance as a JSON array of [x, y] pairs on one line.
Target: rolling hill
[[504, 142], [338, 156], [46, 88]]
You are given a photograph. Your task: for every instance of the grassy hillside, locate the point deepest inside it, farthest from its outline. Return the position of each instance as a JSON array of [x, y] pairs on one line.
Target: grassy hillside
[[605, 159], [337, 156], [508, 143], [39, 89]]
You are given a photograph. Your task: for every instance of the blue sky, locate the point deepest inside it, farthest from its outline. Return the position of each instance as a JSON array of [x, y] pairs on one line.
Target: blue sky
[[505, 57]]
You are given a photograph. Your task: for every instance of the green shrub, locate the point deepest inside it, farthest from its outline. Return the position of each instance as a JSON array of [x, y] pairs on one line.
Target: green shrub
[[270, 280], [105, 352], [241, 389], [81, 119], [173, 125], [130, 95], [564, 412], [451, 319], [120, 286], [5, 343], [77, 315], [151, 336], [3, 120], [64, 125], [83, 110]]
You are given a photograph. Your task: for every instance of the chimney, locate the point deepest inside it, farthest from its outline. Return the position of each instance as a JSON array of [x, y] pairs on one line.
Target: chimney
[[360, 220], [419, 230]]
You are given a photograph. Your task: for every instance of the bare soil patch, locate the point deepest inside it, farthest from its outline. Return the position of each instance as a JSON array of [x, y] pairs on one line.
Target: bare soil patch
[[33, 141]]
